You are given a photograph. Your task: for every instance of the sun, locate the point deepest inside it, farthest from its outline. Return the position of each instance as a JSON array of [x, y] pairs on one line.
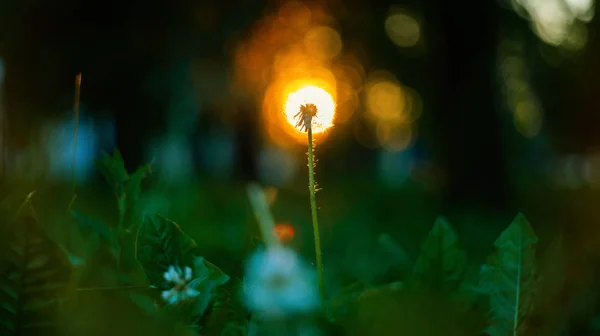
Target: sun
[[311, 95]]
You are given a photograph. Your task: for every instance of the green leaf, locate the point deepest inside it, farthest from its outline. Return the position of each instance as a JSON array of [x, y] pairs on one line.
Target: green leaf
[[442, 264], [133, 189], [146, 303], [160, 244], [34, 275], [129, 214], [130, 270], [227, 315], [87, 224], [207, 277], [550, 312], [122, 207], [215, 274], [127, 188], [509, 277], [340, 306], [113, 170]]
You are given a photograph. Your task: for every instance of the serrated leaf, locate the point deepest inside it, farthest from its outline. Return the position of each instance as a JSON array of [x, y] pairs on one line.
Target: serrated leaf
[[129, 214], [550, 312], [442, 263], [113, 170], [146, 303], [87, 224], [509, 277], [227, 315], [133, 189], [122, 209], [33, 279], [207, 277], [160, 244], [130, 270]]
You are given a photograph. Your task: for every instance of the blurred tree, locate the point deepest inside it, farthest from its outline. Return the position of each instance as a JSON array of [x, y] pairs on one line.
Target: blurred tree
[[465, 117]]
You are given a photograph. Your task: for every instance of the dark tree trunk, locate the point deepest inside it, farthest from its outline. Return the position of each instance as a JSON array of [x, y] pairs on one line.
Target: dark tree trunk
[[466, 120]]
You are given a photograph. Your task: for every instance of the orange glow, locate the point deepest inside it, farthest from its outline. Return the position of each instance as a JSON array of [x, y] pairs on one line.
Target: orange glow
[[296, 86], [284, 232], [297, 55], [311, 95]]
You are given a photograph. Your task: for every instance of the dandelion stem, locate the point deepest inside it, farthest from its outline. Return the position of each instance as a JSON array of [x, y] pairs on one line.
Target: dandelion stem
[[313, 210]]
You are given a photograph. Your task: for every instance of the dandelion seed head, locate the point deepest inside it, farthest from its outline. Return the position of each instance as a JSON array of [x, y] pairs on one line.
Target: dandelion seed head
[[278, 281], [310, 106]]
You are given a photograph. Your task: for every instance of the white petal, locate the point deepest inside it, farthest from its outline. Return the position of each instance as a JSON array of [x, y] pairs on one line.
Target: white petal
[[188, 274], [169, 274], [172, 297], [190, 292], [177, 274], [167, 296], [279, 281]]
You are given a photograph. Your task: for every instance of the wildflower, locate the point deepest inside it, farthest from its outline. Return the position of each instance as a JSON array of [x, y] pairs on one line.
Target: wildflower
[[278, 282], [310, 108], [305, 115], [181, 291]]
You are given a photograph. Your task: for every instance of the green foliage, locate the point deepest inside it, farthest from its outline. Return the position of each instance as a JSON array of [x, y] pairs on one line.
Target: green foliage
[[508, 280], [127, 259], [113, 170], [115, 244], [227, 316], [152, 242], [126, 187], [509, 277], [549, 311], [442, 263], [207, 277], [35, 273], [161, 243], [88, 225]]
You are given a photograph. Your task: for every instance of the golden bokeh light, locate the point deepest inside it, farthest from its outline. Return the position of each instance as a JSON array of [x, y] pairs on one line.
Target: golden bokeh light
[[323, 42], [296, 86], [528, 118], [392, 137], [295, 56], [386, 101], [402, 29], [311, 95], [391, 110], [390, 101]]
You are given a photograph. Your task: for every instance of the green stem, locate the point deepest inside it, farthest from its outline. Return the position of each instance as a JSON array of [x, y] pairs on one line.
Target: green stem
[[75, 140], [313, 210], [76, 127]]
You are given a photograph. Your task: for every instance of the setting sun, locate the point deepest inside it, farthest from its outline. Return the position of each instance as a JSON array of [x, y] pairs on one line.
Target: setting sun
[[311, 95]]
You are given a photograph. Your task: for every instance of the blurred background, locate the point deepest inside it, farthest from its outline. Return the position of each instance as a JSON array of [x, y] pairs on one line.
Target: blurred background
[[474, 110]]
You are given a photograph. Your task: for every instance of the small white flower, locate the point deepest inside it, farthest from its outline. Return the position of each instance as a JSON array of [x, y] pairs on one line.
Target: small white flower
[[278, 282], [181, 291]]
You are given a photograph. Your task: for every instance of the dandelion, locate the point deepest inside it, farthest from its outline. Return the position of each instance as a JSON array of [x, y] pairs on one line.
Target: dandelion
[[277, 282], [310, 106], [307, 119], [181, 291], [304, 116]]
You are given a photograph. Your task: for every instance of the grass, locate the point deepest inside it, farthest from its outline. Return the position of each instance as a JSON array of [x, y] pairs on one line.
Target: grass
[[218, 217]]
